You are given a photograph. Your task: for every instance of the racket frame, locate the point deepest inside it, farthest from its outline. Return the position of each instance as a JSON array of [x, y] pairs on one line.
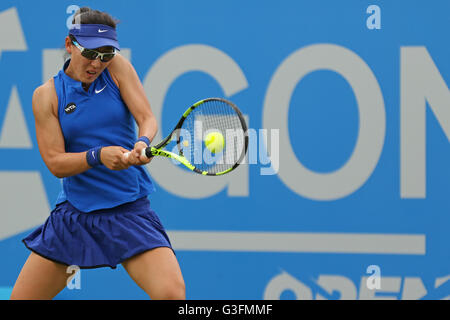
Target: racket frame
[[158, 151]]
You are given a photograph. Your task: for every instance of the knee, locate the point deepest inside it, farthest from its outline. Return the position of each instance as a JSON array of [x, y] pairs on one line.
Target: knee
[[172, 291]]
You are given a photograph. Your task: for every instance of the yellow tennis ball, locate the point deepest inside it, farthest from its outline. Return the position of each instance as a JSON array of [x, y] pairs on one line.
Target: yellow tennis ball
[[214, 141]]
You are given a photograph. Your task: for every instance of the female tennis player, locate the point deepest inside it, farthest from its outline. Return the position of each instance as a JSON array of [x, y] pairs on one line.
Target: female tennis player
[[102, 217]]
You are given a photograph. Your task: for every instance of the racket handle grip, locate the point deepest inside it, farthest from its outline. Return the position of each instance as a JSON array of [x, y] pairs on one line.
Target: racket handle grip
[[147, 152]]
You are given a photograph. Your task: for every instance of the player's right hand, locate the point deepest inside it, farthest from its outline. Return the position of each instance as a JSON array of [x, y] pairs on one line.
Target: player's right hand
[[112, 158]]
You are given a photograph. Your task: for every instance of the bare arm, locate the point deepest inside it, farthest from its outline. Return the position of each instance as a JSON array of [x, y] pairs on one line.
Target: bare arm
[[51, 140], [134, 96]]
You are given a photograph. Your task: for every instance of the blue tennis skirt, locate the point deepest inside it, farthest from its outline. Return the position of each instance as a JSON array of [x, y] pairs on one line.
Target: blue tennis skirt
[[101, 238]]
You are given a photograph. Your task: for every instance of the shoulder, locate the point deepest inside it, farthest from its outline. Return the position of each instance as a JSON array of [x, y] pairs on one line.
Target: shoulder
[[121, 69], [120, 65], [45, 98]]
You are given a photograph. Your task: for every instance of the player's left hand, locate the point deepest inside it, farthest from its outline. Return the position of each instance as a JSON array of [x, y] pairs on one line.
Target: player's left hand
[[135, 158]]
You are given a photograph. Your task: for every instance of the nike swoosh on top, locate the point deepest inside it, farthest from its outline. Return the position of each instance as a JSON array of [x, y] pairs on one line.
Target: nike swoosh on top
[[93, 154], [98, 91], [100, 30]]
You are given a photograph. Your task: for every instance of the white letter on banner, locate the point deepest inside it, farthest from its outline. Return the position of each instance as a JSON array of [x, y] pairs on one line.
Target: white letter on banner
[[285, 282], [390, 285], [11, 32], [336, 285], [157, 82], [372, 121], [421, 82]]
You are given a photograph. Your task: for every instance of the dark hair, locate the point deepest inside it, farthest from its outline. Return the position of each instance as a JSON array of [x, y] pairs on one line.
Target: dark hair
[[86, 15]]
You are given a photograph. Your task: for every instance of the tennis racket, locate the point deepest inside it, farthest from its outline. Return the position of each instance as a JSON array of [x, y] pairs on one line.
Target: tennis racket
[[211, 138]]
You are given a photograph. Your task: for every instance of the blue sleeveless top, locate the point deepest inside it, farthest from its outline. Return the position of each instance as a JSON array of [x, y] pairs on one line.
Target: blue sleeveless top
[[98, 117]]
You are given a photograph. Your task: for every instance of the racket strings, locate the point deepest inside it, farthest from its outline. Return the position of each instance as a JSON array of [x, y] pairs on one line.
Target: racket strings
[[213, 115]]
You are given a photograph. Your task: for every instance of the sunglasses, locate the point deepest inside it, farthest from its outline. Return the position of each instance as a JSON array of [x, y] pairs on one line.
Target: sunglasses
[[93, 54]]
